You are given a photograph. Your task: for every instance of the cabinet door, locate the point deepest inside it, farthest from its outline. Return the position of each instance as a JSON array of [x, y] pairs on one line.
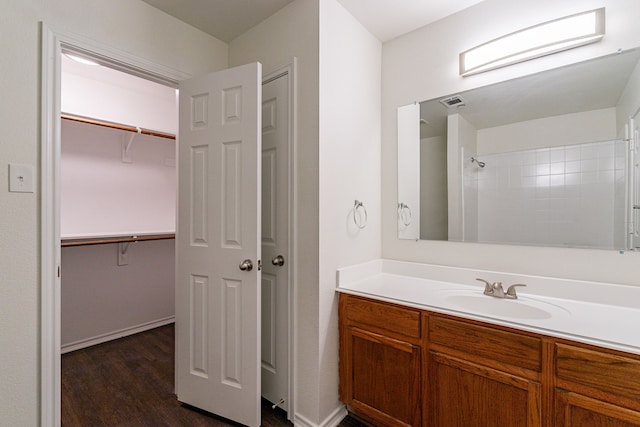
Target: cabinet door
[[604, 375], [383, 376], [462, 393], [574, 410]]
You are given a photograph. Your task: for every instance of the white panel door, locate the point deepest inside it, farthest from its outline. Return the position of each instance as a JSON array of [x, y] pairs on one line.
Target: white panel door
[[275, 240], [218, 311]]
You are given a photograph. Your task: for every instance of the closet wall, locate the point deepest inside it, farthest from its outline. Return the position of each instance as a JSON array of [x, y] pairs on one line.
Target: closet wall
[[116, 184]]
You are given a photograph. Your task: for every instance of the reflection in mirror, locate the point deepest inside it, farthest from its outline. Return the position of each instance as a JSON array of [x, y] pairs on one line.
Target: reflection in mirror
[[543, 160], [408, 170]]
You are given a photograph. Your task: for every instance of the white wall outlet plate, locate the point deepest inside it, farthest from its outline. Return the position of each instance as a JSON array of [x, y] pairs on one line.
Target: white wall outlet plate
[[21, 178]]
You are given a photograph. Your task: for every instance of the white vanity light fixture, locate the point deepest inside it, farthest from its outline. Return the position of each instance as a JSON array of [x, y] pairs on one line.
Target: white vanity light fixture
[[542, 39]]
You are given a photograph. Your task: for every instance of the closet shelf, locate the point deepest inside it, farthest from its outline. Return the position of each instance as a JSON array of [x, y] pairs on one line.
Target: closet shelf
[[127, 128], [115, 239]]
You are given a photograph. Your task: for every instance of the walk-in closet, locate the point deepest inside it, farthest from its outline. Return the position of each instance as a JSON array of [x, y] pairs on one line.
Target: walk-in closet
[[117, 203]]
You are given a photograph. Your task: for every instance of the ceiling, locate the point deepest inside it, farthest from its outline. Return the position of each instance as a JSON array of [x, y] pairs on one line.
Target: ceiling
[[386, 19], [583, 86]]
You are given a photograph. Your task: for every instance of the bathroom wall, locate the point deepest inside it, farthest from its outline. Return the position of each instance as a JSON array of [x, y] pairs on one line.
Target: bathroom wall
[[470, 215], [550, 181], [127, 25], [557, 131], [433, 72], [461, 145], [350, 60], [558, 196], [433, 188], [628, 106], [629, 101]]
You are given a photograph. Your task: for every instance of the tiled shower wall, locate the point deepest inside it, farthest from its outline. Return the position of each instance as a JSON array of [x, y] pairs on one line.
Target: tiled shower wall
[[560, 196]]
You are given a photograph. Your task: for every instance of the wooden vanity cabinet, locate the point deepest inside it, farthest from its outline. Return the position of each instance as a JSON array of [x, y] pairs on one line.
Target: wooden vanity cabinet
[[596, 387], [402, 366], [482, 376], [380, 360]]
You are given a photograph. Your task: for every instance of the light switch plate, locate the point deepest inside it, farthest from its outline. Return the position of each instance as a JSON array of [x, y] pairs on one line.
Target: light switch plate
[[21, 178]]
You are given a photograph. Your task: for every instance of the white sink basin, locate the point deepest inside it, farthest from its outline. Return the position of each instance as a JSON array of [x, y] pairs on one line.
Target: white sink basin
[[521, 308]]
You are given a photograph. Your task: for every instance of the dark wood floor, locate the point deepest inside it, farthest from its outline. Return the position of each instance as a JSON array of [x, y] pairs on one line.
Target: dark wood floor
[[129, 382]]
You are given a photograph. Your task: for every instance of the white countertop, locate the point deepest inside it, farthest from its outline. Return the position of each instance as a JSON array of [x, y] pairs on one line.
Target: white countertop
[[602, 314]]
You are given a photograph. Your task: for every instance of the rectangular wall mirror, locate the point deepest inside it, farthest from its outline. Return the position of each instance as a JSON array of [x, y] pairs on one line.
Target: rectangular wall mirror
[[549, 159]]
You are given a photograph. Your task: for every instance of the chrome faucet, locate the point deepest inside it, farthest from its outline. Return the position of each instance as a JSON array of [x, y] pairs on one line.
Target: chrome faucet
[[488, 287], [511, 291], [496, 290]]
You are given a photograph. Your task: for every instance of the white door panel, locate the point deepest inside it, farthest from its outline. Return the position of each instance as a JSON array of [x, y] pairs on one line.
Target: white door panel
[[275, 238], [218, 305]]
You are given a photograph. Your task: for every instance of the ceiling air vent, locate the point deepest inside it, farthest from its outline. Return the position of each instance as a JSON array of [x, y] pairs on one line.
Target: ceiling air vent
[[453, 101]]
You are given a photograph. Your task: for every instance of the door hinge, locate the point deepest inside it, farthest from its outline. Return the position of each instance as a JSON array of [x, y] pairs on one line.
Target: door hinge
[[58, 272]]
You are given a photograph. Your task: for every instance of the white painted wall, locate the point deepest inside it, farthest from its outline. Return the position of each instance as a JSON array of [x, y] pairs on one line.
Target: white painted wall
[[349, 167], [101, 195], [629, 102], [102, 300], [628, 105], [433, 188], [470, 173], [461, 146], [127, 25], [114, 96], [566, 129], [433, 72], [293, 32]]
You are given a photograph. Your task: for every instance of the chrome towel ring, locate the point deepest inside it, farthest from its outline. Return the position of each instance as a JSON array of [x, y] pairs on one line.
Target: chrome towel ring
[[358, 209], [404, 212]]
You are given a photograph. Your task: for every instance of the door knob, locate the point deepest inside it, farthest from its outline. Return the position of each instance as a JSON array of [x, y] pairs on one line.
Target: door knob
[[279, 261], [246, 265]]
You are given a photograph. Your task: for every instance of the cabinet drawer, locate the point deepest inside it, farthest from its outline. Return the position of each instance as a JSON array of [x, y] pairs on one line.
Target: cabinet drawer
[[383, 316], [487, 342], [608, 372]]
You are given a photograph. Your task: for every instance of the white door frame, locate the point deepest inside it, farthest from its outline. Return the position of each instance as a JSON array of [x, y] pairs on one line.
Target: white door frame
[[54, 41]]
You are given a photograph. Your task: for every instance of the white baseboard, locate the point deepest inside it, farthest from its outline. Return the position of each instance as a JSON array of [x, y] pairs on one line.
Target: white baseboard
[[332, 420], [335, 417], [88, 342]]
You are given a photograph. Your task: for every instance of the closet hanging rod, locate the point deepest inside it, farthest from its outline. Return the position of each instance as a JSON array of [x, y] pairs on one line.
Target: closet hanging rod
[[115, 239], [127, 128]]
